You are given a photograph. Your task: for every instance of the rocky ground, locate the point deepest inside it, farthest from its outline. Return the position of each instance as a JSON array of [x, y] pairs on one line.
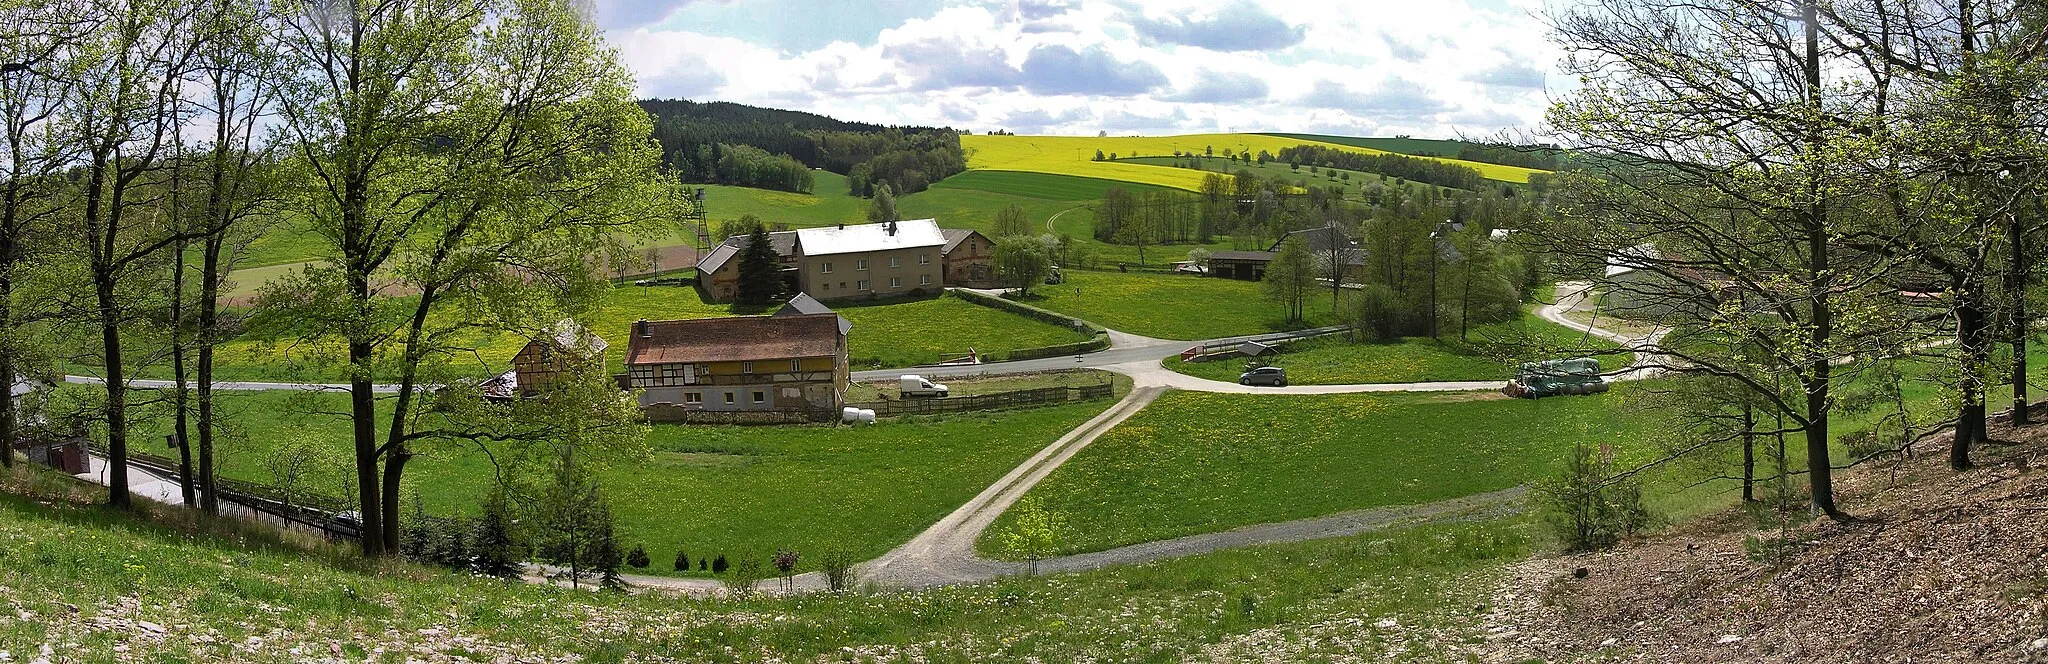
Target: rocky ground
[[1937, 566]]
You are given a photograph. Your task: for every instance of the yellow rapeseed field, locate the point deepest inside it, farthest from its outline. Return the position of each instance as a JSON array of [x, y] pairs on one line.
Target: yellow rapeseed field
[[1074, 155]]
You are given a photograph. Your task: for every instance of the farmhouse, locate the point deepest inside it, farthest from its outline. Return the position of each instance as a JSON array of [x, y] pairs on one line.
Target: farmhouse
[[1320, 242], [793, 363], [969, 259], [542, 359], [859, 261]]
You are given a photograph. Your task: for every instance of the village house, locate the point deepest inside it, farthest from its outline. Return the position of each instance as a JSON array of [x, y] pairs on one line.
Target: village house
[[859, 261], [970, 259], [544, 358], [788, 363]]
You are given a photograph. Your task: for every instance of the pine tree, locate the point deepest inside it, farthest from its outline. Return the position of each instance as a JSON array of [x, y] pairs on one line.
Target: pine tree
[[495, 550], [760, 269]]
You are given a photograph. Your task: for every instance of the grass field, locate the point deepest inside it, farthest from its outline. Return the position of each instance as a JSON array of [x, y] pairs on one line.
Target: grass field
[[711, 490], [1171, 306], [1073, 155], [1491, 354], [1039, 185], [1196, 462], [87, 575]]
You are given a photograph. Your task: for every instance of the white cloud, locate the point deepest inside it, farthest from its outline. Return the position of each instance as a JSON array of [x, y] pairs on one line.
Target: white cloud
[[1439, 69]]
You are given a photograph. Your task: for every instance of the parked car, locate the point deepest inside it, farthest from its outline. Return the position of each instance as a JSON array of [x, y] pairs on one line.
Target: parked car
[[917, 386], [1190, 267], [1274, 376]]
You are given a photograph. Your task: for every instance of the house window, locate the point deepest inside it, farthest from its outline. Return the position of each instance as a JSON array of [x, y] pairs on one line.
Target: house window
[[760, 396], [863, 284], [825, 268], [924, 259], [842, 285], [728, 398], [693, 398], [796, 365], [895, 282], [827, 286], [746, 367], [861, 264], [895, 261], [924, 280]]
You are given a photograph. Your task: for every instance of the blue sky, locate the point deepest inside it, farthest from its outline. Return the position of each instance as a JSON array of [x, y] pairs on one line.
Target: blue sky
[[1361, 67]]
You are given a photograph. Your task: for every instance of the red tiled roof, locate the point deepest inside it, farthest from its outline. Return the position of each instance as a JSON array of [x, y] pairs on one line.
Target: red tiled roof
[[735, 339]]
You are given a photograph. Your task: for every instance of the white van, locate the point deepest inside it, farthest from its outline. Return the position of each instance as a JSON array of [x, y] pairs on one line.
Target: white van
[[917, 386]]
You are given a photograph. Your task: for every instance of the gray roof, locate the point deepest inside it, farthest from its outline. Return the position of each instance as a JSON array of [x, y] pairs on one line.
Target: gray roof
[[783, 242], [1323, 239], [1242, 256], [954, 236], [803, 303]]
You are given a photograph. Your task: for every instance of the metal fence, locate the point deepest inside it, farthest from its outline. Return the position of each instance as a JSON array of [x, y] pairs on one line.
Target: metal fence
[[991, 401], [304, 509]]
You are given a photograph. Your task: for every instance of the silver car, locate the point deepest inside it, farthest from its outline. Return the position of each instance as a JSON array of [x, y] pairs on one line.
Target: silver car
[[1274, 376]]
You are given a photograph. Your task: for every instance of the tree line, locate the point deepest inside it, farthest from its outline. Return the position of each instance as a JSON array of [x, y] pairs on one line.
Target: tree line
[[1419, 169], [696, 138], [467, 170]]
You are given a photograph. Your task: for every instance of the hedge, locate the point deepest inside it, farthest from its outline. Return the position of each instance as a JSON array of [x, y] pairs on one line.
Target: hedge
[[1098, 341]]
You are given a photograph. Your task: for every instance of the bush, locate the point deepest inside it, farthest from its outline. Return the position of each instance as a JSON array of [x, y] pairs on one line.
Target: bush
[[1587, 507], [638, 557], [838, 567], [745, 574], [682, 561], [495, 549], [718, 565]]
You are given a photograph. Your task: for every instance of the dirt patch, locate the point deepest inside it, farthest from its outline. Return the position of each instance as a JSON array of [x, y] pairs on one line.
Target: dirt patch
[[1938, 567]]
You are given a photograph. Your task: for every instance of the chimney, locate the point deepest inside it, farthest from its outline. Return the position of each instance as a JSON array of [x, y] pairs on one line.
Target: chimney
[[891, 228], [640, 328], [842, 225]]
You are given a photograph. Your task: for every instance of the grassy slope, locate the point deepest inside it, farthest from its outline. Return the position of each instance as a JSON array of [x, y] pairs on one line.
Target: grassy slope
[[1195, 462], [1073, 155], [713, 490], [1335, 361], [1170, 306], [93, 572]]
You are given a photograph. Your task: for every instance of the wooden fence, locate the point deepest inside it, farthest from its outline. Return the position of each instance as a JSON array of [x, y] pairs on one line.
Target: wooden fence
[[991, 401], [307, 509]]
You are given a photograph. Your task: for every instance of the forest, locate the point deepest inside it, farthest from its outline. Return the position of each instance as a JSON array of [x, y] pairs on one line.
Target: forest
[[736, 144]]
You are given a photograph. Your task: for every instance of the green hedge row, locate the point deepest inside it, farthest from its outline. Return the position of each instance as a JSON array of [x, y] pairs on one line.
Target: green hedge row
[[1097, 341]]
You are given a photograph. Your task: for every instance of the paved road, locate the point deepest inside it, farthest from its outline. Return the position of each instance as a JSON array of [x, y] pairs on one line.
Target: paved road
[[1124, 349]]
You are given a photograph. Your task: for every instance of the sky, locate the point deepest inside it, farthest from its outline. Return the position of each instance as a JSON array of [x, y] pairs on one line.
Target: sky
[[1423, 68]]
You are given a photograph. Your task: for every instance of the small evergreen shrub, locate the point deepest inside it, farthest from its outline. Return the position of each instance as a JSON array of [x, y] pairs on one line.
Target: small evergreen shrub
[[682, 561], [638, 557], [718, 565]]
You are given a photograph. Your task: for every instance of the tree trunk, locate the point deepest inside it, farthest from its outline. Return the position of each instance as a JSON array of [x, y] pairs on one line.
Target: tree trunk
[[363, 413], [1973, 349], [2017, 325], [1819, 467], [394, 470], [209, 319], [117, 391], [181, 395], [7, 368], [1748, 454]]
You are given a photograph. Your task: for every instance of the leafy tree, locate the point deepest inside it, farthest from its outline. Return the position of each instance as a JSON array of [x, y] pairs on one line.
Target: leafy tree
[[488, 114], [1036, 532], [1118, 207], [1199, 256], [744, 225], [1289, 277], [838, 566], [760, 270], [883, 208], [1098, 155], [1010, 222], [1022, 262]]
